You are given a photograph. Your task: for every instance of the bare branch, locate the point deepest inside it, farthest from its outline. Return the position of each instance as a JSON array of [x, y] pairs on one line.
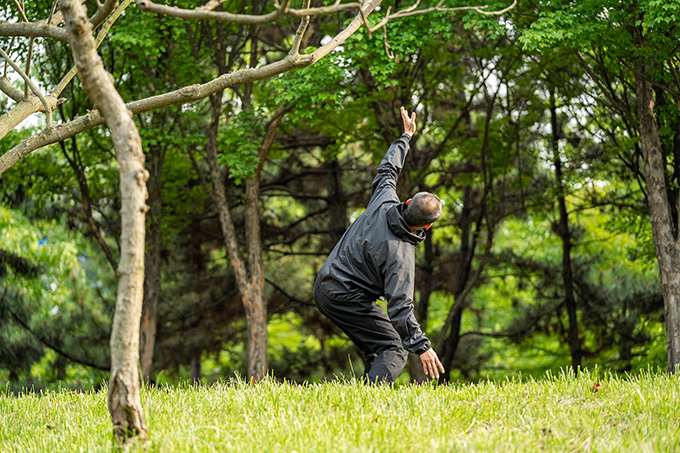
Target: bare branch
[[32, 30], [295, 48], [197, 14], [48, 111], [181, 96], [9, 89], [320, 10], [103, 12], [341, 37], [614, 101], [411, 11], [212, 4], [54, 7], [21, 10], [368, 26], [27, 107], [11, 44], [28, 63], [100, 38], [387, 46], [206, 12], [23, 110]]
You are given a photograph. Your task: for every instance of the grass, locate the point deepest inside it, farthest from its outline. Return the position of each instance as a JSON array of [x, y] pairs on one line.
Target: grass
[[590, 413]]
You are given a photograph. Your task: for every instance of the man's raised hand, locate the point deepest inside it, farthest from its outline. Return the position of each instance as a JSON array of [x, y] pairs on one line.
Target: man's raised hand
[[431, 364], [409, 123]]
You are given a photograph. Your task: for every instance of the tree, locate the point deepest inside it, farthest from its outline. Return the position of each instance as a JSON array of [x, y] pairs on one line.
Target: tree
[[633, 46], [124, 403]]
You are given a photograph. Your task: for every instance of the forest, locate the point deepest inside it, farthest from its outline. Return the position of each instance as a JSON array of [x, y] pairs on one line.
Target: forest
[[549, 130]]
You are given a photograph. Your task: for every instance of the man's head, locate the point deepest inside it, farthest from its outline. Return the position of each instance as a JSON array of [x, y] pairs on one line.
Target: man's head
[[422, 210]]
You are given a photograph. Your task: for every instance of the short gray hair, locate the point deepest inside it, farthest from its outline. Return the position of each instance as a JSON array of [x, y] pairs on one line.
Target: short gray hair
[[425, 208]]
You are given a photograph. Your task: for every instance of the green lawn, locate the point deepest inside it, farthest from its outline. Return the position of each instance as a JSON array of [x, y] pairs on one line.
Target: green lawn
[[554, 414]]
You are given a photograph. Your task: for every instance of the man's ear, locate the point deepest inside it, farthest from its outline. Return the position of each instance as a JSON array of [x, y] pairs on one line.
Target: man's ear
[[428, 226], [408, 201]]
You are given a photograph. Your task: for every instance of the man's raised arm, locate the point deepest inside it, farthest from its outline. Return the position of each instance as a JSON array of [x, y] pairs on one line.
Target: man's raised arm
[[384, 185]]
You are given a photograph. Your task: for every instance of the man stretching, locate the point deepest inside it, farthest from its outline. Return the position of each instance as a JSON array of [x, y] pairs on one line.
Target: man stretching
[[375, 258]]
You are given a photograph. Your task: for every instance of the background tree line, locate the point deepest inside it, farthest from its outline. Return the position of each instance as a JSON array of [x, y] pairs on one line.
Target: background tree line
[[550, 132]]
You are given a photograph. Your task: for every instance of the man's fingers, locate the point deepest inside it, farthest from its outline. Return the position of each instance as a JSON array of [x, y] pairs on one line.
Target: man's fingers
[[427, 367], [439, 365], [430, 368], [413, 117], [434, 373]]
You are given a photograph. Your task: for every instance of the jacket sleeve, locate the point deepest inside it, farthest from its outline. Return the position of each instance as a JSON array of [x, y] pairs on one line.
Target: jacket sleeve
[[384, 187], [399, 287]]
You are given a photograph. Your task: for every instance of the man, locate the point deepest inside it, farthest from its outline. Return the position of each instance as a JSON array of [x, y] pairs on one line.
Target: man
[[375, 258]]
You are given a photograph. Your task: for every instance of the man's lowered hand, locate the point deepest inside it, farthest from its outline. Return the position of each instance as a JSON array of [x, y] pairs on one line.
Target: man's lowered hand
[[431, 364]]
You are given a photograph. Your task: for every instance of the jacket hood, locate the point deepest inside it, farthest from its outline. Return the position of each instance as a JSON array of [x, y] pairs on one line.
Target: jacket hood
[[399, 226]]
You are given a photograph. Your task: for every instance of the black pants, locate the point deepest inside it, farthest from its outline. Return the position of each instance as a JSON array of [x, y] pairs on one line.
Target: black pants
[[367, 325]]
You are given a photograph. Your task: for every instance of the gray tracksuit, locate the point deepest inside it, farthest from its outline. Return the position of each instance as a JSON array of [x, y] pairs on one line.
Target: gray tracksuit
[[376, 258]]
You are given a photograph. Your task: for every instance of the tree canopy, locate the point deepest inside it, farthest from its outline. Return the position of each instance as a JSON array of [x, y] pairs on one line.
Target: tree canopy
[[548, 129]]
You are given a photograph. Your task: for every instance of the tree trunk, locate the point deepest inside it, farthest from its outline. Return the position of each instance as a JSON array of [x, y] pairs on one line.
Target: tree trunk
[[451, 343], [251, 290], [565, 236], [414, 363], [152, 265], [256, 316], [253, 298], [196, 373], [663, 225], [447, 343], [250, 277], [60, 365], [123, 399]]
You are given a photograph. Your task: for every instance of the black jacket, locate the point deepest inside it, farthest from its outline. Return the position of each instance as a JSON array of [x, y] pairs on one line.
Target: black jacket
[[376, 256]]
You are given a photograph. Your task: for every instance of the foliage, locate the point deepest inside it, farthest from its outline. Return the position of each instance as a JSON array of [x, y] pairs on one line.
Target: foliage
[[63, 291], [240, 143], [482, 88]]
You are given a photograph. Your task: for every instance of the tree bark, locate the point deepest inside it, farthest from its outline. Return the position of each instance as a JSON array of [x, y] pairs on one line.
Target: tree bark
[[663, 225], [123, 399], [565, 237], [152, 265]]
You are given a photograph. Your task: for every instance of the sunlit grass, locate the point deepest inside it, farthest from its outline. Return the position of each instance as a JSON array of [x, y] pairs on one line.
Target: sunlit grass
[[554, 414]]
